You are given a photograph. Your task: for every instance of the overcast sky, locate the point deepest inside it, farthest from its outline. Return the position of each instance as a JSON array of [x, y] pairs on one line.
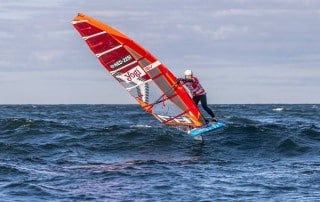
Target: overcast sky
[[243, 51]]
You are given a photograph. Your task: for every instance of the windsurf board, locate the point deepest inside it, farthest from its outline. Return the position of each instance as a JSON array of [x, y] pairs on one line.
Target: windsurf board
[[205, 128]]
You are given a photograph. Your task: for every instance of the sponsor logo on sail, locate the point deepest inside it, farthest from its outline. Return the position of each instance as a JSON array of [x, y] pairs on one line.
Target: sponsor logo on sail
[[151, 66], [133, 74]]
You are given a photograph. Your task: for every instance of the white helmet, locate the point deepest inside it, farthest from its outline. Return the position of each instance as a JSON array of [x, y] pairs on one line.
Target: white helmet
[[188, 72]]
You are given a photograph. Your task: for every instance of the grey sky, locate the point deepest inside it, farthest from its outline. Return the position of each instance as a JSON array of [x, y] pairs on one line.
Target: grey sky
[[243, 51]]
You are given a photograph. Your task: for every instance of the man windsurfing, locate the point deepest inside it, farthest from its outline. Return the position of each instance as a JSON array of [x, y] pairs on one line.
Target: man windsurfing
[[197, 91]]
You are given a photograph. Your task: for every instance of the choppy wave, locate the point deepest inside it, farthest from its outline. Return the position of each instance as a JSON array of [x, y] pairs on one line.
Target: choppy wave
[[82, 152]]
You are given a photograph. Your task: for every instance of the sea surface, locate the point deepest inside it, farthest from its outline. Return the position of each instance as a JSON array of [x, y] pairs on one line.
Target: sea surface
[[121, 153]]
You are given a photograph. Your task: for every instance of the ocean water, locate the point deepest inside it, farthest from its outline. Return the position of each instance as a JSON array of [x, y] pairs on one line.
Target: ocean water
[[121, 153]]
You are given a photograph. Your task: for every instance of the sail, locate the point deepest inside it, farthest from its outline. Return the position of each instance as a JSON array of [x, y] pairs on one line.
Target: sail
[[145, 78]]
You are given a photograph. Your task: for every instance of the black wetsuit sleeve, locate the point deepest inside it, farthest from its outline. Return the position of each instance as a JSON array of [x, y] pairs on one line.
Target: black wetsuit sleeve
[[184, 80], [188, 80]]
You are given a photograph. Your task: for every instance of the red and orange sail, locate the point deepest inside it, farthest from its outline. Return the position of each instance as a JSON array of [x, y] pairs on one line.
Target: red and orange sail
[[146, 79]]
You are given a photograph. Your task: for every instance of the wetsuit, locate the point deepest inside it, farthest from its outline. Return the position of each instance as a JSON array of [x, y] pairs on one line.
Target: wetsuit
[[198, 93]]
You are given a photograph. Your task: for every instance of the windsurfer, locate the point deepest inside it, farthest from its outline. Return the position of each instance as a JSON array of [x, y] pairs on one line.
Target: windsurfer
[[197, 91]]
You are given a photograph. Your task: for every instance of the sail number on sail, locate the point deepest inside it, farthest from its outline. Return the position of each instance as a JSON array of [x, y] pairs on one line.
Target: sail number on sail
[[121, 61]]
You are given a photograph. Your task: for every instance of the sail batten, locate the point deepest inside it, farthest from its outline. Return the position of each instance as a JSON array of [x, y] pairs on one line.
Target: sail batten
[[108, 51], [93, 35]]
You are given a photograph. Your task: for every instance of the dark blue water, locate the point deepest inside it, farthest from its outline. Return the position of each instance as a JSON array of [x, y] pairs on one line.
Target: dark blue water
[[120, 153]]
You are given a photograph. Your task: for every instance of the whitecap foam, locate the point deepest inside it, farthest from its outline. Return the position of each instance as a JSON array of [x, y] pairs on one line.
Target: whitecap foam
[[278, 109], [140, 126]]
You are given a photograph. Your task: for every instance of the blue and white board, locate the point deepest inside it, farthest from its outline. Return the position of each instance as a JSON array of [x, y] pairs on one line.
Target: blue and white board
[[204, 129]]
